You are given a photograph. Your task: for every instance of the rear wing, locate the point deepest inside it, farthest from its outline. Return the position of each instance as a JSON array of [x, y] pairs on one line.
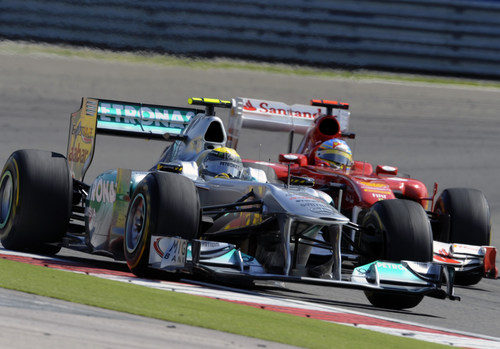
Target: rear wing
[[278, 116], [128, 119]]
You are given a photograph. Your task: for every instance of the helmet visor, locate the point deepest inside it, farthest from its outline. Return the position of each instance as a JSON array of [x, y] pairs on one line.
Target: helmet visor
[[337, 158], [231, 168]]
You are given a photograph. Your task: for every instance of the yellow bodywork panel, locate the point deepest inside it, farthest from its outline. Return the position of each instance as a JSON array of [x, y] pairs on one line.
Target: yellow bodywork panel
[[81, 139]]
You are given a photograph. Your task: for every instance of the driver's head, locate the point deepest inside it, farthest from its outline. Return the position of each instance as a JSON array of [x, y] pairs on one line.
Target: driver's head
[[221, 162], [336, 153]]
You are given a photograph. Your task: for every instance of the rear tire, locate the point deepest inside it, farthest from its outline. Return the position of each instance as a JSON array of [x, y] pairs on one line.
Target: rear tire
[[163, 204], [470, 223], [397, 230], [36, 196]]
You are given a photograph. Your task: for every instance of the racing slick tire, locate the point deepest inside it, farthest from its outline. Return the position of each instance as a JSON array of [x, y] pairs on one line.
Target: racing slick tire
[[163, 204], [470, 223], [396, 230], [36, 191]]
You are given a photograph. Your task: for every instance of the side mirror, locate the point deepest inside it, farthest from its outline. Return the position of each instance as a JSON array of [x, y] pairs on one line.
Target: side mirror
[[365, 168], [299, 159], [386, 170]]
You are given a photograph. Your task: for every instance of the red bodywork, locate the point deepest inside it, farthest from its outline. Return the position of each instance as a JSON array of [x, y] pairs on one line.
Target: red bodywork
[[490, 270], [363, 185]]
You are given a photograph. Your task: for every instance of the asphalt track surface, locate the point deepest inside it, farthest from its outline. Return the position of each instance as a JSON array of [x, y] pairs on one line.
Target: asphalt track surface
[[437, 133]]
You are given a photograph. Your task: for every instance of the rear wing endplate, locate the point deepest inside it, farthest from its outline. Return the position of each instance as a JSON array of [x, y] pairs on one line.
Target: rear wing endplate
[[128, 119], [277, 116]]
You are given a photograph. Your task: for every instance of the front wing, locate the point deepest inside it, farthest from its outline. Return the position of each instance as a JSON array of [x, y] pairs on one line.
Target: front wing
[[224, 262], [467, 258]]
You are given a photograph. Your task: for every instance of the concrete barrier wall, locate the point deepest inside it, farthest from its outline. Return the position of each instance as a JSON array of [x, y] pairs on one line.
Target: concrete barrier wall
[[449, 37]]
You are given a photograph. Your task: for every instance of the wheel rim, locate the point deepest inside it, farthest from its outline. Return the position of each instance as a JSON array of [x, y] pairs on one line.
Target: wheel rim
[[135, 223], [6, 194]]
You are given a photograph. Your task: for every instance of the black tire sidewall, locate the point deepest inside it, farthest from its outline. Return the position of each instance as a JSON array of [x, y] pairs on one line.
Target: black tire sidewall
[[42, 199], [403, 229], [470, 219], [7, 233]]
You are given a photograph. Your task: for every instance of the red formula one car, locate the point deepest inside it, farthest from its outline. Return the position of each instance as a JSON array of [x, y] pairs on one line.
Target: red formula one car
[[458, 221]]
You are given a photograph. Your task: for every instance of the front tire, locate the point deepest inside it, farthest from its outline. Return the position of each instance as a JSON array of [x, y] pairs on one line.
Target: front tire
[[470, 223], [396, 230], [163, 204], [36, 196]]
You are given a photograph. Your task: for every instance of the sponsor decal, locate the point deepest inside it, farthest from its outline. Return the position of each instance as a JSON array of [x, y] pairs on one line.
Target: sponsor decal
[[392, 266], [248, 106], [388, 270], [273, 115], [282, 109], [103, 191], [212, 245], [377, 190], [303, 199], [91, 107], [470, 249], [78, 155], [378, 195], [173, 251], [373, 184], [86, 133], [145, 116], [314, 204], [156, 246], [322, 209]]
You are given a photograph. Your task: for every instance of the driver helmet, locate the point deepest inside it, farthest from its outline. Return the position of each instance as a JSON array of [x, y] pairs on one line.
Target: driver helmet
[[336, 153], [221, 162]]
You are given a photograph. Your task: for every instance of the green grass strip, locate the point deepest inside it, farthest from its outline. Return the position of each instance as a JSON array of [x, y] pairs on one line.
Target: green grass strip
[[223, 63], [193, 310]]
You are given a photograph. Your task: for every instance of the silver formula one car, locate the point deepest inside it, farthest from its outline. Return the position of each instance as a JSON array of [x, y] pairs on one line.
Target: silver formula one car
[[198, 211]]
